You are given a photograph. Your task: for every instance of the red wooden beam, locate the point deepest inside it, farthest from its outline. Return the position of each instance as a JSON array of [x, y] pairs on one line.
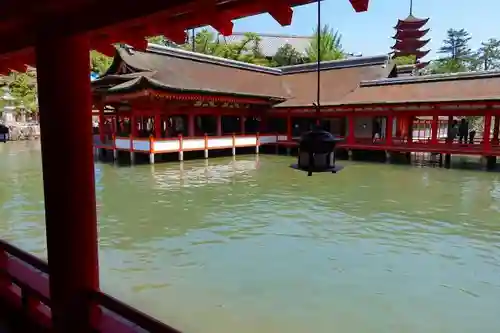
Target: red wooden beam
[[360, 5]]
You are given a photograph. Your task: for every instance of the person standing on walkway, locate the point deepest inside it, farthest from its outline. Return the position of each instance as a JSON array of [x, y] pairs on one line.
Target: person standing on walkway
[[463, 131]]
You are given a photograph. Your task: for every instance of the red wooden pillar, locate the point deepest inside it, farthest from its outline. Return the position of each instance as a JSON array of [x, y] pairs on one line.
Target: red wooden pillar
[[133, 125], [487, 130], [102, 134], [351, 128], [434, 129], [289, 133], [219, 125], [191, 125], [158, 125], [388, 129], [70, 206], [496, 129], [410, 129], [242, 124], [264, 119]]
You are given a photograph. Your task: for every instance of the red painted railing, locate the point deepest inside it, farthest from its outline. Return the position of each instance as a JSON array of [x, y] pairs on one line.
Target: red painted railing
[[24, 286]]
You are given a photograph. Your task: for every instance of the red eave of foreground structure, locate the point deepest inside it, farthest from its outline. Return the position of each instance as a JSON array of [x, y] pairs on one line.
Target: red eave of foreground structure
[[126, 21]]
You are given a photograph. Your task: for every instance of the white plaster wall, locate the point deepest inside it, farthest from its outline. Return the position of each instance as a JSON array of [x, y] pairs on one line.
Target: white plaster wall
[[267, 139], [245, 141], [220, 143], [166, 146], [193, 144], [122, 143], [141, 145]]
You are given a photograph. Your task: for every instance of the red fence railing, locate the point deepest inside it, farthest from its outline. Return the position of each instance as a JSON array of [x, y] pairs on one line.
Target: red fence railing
[[24, 285]]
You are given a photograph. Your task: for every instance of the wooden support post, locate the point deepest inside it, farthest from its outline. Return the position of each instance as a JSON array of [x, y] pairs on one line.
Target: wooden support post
[[351, 129], [242, 124], [151, 149], [191, 125], [410, 129], [219, 125], [158, 126], [70, 204], [206, 146], [388, 130], [115, 151], [496, 129], [289, 134], [434, 129], [487, 130], [102, 119], [233, 149], [257, 143], [181, 149]]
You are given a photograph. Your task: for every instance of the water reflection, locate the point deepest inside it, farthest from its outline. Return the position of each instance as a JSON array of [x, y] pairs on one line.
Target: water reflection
[[249, 244]]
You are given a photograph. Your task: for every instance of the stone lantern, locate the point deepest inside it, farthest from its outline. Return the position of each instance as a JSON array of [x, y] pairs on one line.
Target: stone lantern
[[9, 110], [317, 152]]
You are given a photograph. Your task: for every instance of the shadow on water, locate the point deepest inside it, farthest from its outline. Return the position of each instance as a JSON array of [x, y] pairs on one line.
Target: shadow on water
[[248, 244]]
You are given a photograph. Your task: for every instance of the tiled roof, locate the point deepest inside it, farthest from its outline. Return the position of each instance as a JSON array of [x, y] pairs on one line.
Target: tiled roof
[[355, 81], [428, 88]]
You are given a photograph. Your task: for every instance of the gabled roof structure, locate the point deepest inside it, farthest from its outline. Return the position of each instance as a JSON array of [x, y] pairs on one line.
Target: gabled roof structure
[[459, 87], [181, 71], [354, 81]]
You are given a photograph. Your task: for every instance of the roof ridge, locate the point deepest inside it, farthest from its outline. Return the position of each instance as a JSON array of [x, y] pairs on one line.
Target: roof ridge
[[242, 33], [180, 53], [309, 67]]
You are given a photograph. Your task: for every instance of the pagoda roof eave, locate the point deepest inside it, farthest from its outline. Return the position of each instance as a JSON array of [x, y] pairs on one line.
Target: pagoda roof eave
[[149, 85]]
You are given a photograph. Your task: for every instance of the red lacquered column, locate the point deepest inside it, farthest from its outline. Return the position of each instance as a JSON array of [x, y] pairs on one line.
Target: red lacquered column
[[68, 178]]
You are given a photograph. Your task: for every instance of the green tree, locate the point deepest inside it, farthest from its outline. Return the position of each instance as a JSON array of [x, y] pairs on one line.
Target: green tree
[[487, 57], [24, 89], [456, 45], [330, 45], [457, 55], [407, 60], [99, 63], [161, 40], [287, 55]]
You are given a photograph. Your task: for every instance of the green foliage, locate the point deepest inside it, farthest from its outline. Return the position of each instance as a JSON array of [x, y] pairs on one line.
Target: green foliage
[[407, 60], [330, 45], [487, 57], [287, 55], [23, 88], [99, 63]]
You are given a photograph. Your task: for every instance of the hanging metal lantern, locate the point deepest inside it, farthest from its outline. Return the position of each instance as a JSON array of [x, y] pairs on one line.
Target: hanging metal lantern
[[317, 152]]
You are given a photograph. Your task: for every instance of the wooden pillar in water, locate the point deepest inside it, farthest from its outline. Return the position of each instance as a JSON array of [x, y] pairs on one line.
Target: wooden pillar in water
[[69, 190]]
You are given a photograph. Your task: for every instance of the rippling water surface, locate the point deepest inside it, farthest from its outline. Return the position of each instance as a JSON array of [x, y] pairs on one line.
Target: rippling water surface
[[249, 245]]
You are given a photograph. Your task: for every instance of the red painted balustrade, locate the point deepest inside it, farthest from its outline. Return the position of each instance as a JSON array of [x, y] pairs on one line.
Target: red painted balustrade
[[24, 289]]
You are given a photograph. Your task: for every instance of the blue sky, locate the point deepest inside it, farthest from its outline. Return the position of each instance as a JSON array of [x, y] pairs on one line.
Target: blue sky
[[369, 33]]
